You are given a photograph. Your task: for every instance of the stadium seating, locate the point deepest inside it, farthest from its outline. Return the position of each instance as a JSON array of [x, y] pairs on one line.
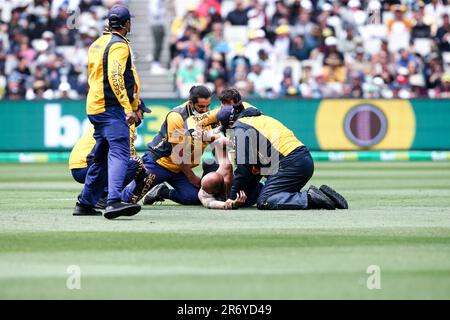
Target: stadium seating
[[310, 24]]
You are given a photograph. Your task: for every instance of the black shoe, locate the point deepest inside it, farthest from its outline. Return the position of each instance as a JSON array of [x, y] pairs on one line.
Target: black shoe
[[119, 209], [319, 200], [339, 200], [82, 210], [101, 203], [155, 194]]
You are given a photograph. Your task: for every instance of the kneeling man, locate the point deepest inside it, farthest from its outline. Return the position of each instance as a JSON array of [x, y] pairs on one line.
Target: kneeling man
[[265, 147]]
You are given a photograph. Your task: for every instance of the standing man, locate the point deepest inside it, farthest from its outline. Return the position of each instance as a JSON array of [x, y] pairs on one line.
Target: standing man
[[112, 106], [81, 158], [158, 14]]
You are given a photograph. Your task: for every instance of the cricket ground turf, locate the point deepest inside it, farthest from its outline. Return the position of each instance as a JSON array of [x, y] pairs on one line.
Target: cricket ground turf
[[398, 221]]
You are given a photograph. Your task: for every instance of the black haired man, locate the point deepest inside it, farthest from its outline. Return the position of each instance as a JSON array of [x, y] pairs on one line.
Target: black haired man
[[173, 153]]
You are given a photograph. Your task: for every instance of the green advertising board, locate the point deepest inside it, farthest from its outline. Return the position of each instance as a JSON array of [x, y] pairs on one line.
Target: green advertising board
[[350, 125]]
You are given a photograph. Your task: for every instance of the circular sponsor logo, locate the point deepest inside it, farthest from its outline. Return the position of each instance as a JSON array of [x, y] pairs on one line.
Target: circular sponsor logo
[[374, 124], [365, 125]]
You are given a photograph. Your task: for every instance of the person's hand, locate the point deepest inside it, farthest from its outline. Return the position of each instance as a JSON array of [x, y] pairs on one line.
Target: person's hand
[[198, 135], [446, 37], [234, 204], [222, 141], [240, 199], [140, 115], [204, 135], [228, 204], [131, 118]]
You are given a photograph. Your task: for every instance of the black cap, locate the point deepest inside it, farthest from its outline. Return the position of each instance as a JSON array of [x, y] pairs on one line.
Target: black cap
[[227, 114], [118, 15], [224, 114], [144, 107]]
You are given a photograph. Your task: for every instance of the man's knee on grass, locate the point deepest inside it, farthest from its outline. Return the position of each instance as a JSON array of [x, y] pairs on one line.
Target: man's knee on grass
[[263, 205], [267, 202]]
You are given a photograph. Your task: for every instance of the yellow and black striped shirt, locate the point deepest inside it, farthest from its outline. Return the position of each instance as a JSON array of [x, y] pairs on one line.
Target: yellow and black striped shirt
[[112, 77], [176, 129], [83, 152], [260, 141]]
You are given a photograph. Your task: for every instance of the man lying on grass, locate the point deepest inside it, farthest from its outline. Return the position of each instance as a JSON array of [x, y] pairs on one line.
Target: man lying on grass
[[215, 186]]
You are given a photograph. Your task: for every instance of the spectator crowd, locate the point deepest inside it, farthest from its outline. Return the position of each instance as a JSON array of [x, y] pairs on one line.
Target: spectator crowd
[[315, 48], [265, 48], [43, 46]]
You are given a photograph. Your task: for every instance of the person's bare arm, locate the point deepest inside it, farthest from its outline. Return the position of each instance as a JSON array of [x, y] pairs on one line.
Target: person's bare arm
[[206, 135], [192, 177], [225, 167], [176, 136], [208, 201], [185, 167]]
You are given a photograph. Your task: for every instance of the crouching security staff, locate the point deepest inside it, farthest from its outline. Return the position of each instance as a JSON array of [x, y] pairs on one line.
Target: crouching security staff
[[173, 153], [82, 157], [111, 104], [264, 146]]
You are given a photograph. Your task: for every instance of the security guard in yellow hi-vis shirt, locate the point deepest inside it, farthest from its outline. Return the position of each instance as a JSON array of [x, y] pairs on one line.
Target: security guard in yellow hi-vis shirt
[[81, 157], [173, 153], [265, 147], [112, 106]]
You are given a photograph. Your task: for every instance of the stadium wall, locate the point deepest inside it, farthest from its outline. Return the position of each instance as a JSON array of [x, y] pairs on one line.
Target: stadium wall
[[349, 125]]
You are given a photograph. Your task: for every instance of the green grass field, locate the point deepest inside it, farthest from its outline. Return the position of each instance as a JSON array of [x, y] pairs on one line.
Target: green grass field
[[399, 220]]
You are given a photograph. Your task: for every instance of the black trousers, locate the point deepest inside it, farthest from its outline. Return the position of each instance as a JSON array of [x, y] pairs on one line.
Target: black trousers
[[158, 38], [282, 189]]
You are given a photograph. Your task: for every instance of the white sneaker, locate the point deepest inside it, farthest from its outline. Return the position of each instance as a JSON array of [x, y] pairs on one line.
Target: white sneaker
[[156, 69]]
